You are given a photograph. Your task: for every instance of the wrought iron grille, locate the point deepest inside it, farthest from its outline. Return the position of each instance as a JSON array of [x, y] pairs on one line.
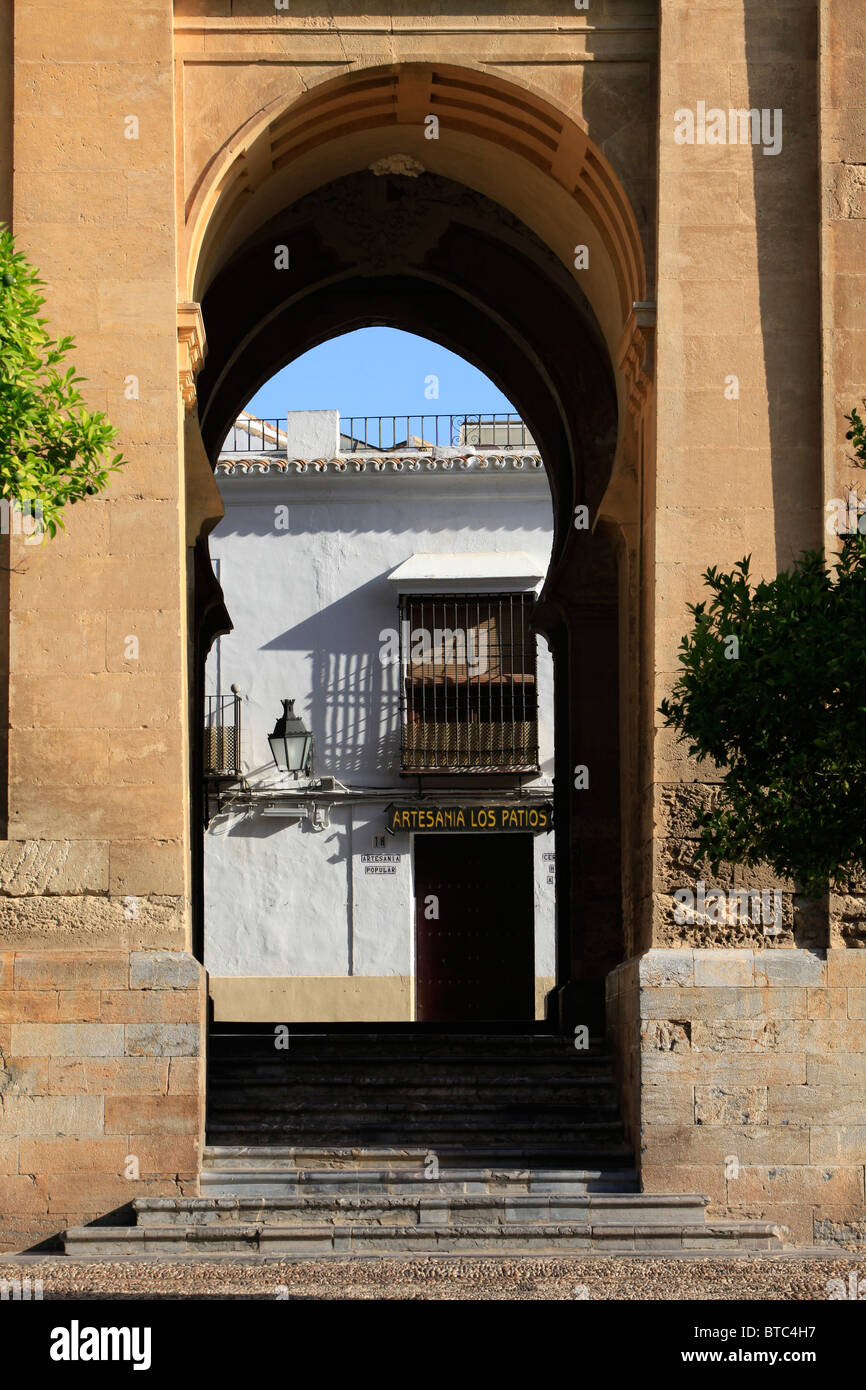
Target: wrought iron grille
[[468, 683], [222, 736]]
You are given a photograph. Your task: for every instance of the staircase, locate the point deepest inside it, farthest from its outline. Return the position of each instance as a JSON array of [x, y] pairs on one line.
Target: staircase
[[408, 1143]]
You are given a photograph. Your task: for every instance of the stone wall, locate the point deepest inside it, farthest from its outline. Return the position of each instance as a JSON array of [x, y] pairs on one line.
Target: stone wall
[[101, 1084], [743, 1075]]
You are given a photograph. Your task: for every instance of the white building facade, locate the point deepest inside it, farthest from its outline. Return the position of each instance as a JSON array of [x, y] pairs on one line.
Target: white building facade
[[406, 872]]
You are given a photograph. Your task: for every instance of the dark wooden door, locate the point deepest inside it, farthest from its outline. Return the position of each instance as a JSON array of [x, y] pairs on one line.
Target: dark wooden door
[[474, 928]]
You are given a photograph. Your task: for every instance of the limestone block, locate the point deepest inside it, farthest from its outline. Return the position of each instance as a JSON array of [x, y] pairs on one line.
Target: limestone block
[[724, 967], [790, 967], [63, 643], [707, 1179], [9, 1155], [96, 923], [26, 1115], [20, 1197], [721, 1069], [72, 970], [36, 867], [116, 1076], [33, 1006], [154, 810], [731, 1105], [67, 1039], [846, 967], [664, 1036], [163, 970], [72, 1155], [71, 758], [842, 1104], [737, 1036], [856, 1001], [154, 1114], [150, 1006], [723, 1002], [827, 1003], [24, 1076], [163, 1040], [838, 1144], [790, 1184], [750, 1144], [173, 1154], [136, 756], [835, 1069], [79, 1006], [667, 968], [670, 1104], [185, 1077], [836, 1035]]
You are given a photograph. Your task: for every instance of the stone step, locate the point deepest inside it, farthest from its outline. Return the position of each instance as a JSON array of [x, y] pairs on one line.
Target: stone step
[[281, 1181], [283, 1106], [262, 1079], [409, 1051], [398, 1158], [505, 1237], [422, 1207], [471, 1140]]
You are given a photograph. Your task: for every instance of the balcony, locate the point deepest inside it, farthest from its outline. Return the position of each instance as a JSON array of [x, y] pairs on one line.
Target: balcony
[[469, 701], [387, 433], [222, 736]]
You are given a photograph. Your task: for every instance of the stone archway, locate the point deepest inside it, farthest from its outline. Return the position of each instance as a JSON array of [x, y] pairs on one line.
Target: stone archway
[[398, 242]]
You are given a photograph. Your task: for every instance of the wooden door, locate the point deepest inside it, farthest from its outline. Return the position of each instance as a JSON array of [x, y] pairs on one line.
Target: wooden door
[[474, 928]]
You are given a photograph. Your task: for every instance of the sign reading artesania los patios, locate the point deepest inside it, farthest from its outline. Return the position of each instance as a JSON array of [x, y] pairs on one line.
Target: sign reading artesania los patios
[[536, 818]]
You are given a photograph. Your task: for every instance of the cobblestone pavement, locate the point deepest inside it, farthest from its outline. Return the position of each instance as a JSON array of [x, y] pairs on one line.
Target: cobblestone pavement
[[650, 1278]]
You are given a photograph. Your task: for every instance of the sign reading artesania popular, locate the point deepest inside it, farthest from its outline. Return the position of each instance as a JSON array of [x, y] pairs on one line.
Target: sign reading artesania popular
[[536, 817]]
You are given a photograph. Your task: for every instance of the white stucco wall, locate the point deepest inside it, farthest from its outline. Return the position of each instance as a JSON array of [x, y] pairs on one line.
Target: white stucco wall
[[304, 564]]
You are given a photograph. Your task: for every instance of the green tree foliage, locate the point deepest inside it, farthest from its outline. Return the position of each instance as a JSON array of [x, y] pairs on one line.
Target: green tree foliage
[[52, 449], [782, 712]]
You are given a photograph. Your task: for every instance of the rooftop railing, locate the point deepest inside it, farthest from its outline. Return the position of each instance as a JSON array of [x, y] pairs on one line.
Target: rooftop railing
[[484, 430]]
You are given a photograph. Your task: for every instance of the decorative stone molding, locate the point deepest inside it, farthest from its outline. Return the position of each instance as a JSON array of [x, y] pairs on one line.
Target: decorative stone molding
[[397, 164], [637, 353], [191, 349], [385, 464]]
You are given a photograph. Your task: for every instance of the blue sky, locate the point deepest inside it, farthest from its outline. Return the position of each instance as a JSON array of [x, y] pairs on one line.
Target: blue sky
[[378, 371]]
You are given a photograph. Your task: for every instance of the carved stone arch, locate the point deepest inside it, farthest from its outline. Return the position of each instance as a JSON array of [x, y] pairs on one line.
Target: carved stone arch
[[473, 256]]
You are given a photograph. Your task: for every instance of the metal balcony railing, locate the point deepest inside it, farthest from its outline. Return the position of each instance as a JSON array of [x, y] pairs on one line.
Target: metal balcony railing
[[483, 430], [222, 736], [433, 431]]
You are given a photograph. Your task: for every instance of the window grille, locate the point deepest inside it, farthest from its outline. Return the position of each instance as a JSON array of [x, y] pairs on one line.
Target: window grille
[[468, 683]]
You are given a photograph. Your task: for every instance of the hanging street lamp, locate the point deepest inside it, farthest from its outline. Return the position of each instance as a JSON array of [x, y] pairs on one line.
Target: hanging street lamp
[[291, 742]]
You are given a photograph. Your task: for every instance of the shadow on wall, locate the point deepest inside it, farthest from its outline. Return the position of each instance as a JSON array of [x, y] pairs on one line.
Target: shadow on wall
[[354, 701]]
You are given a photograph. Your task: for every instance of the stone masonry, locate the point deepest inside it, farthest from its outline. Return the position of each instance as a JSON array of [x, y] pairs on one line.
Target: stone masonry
[[745, 1073], [741, 1063], [100, 1084]]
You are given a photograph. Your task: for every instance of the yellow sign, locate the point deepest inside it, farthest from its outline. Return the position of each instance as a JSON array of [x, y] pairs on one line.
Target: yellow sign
[[534, 818]]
